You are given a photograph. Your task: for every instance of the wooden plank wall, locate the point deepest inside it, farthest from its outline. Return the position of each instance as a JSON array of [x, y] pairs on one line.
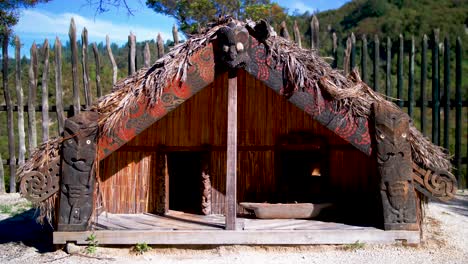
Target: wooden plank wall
[[263, 116]]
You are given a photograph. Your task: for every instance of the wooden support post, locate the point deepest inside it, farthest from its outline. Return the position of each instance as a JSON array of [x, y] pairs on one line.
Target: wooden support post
[[435, 88], [231, 165], [162, 182], [85, 67], [9, 107], [74, 60], [395, 168], [458, 113], [297, 34], [19, 95], [98, 70], [411, 80], [78, 174], [446, 93], [423, 85], [147, 55], [376, 63], [364, 60], [32, 132], [131, 54], [58, 85], [388, 75], [111, 57], [160, 46], [45, 93]]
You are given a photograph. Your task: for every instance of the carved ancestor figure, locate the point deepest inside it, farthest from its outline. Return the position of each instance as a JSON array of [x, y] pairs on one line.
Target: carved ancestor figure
[[78, 178], [395, 167], [233, 40]]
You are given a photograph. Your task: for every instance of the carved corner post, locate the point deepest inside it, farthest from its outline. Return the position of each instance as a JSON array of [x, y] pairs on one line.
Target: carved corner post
[[395, 167], [162, 182], [78, 174]]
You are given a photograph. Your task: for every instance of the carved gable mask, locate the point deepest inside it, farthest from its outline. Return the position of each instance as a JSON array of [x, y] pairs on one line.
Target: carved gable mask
[[232, 42]]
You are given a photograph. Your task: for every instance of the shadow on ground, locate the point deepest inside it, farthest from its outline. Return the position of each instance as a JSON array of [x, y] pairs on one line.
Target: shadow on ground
[[24, 228], [459, 204]]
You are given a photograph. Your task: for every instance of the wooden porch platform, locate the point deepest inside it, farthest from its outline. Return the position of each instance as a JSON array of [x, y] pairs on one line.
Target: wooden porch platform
[[182, 228]]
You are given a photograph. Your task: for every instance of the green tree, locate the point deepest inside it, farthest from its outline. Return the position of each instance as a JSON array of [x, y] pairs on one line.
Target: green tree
[[9, 12], [193, 13]]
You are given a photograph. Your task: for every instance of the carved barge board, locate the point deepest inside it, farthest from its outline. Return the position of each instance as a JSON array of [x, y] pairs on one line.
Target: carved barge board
[[78, 174], [395, 168]]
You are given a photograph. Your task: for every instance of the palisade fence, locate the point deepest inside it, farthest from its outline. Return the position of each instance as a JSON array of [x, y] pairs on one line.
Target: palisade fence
[[448, 129]]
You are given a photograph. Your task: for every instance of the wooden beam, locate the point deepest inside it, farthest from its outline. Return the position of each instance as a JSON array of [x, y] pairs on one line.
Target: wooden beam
[[231, 166], [254, 237], [162, 182]]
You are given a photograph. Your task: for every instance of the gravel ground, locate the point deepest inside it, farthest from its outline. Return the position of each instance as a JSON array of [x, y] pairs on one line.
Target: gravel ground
[[445, 241]]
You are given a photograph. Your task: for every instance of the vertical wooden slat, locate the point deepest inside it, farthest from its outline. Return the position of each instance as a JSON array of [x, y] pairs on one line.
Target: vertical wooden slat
[[446, 92], [45, 92], [231, 168], [435, 88], [376, 62], [97, 62], [353, 51], [74, 60], [147, 55], [400, 71], [458, 113], [284, 31], [388, 75], [175, 35], [423, 85], [9, 107], [111, 57], [160, 46], [297, 34], [411, 80], [364, 59], [58, 85], [131, 53], [2, 176], [19, 95], [315, 34], [85, 68], [334, 50], [32, 134]]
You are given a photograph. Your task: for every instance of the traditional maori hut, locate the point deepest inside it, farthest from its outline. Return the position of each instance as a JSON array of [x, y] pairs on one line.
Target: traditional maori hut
[[178, 152]]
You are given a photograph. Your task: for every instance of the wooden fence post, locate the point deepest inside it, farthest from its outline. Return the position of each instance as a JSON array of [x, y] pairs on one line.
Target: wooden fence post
[[9, 107], [353, 52], [131, 54], [175, 35], [364, 59], [19, 95], [2, 176], [334, 51], [435, 88], [160, 46], [74, 60], [376, 63], [98, 70], [147, 55], [458, 114], [284, 31], [84, 63], [388, 75], [411, 80], [446, 92], [297, 34], [423, 85], [58, 85], [400, 71], [45, 92], [347, 55], [111, 57], [32, 134], [314, 34]]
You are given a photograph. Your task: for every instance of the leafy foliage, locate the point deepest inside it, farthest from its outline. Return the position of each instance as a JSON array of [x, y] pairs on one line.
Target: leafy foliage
[[91, 248], [141, 248]]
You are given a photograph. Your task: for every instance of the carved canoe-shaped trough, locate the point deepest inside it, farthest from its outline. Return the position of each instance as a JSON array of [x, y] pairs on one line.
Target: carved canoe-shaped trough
[[285, 211]]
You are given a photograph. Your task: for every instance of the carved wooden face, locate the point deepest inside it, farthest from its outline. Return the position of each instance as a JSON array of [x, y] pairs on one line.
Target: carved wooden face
[[397, 193], [233, 42]]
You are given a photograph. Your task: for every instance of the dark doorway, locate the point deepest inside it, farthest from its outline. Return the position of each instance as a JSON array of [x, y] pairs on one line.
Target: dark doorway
[[185, 170]]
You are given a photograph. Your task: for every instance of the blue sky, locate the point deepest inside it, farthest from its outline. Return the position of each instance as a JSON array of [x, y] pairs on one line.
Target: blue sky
[[53, 19]]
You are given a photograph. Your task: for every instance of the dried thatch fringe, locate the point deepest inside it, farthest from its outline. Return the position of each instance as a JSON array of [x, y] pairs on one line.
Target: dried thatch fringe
[[303, 68]]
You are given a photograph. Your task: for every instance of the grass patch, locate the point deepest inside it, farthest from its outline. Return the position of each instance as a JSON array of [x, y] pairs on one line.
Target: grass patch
[[355, 246], [141, 248]]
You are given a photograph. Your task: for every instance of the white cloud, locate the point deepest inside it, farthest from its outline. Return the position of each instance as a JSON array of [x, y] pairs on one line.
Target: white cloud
[[43, 24], [301, 6]]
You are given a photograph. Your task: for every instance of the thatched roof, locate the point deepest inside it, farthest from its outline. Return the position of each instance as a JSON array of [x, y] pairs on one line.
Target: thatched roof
[[303, 68]]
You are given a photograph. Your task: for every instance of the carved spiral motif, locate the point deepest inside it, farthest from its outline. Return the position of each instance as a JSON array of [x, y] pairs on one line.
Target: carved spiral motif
[[441, 183], [37, 186]]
